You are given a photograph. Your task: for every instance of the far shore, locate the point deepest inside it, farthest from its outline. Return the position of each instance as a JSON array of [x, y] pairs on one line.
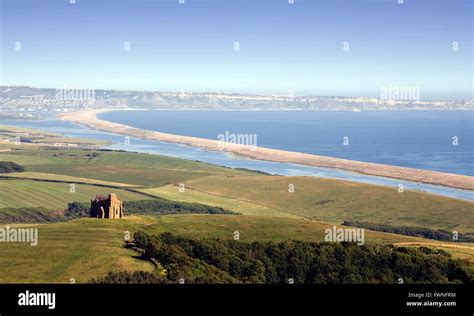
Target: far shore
[[89, 119]]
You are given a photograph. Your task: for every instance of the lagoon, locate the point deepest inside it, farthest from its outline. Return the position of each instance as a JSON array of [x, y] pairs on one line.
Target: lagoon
[[51, 124]]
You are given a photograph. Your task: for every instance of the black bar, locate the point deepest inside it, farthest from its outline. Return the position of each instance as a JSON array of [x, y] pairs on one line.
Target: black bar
[[291, 299]]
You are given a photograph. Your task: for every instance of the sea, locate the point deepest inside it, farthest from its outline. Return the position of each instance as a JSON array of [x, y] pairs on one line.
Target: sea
[[432, 140], [439, 141]]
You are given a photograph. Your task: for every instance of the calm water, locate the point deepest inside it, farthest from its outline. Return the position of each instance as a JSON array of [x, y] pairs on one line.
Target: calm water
[[422, 139], [225, 159]]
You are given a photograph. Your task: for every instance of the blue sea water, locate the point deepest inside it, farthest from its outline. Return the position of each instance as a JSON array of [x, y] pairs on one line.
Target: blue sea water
[[416, 139], [171, 123]]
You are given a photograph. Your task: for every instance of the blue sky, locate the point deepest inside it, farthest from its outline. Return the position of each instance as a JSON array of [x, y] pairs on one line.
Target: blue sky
[[282, 46]]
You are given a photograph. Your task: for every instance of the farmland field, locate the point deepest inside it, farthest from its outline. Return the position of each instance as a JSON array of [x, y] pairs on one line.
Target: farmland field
[[336, 201], [88, 248], [49, 195], [131, 168]]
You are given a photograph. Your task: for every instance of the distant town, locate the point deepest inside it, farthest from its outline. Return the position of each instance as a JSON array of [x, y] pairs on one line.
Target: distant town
[[28, 102]]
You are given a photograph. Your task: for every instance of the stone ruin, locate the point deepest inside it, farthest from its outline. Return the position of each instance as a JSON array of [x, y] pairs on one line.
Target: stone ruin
[[106, 207]]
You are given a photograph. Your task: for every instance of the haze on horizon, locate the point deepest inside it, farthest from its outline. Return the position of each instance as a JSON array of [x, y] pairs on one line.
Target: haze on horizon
[[241, 46]]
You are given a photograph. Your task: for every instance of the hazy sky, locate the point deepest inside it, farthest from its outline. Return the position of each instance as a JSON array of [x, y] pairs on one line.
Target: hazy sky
[[282, 46]]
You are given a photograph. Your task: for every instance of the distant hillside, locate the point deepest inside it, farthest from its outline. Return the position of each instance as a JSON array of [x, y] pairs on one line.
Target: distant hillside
[[15, 98]]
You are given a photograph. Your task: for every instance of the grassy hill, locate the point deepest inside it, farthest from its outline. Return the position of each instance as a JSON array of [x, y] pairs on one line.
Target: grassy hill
[[247, 192], [28, 136], [89, 248], [61, 178], [335, 201], [27, 193], [238, 205], [76, 249], [131, 168]]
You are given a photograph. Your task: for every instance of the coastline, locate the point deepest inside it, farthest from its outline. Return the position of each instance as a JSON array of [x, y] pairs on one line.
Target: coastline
[[90, 120]]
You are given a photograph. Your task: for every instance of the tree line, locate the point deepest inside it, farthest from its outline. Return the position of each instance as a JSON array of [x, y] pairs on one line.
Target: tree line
[[8, 167], [210, 260], [436, 234], [157, 206]]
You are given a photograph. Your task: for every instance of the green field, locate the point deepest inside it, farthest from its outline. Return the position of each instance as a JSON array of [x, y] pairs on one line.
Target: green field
[[62, 178], [247, 192], [88, 248], [77, 249], [52, 196], [171, 192], [70, 140], [28, 136], [131, 168], [6, 129], [335, 201]]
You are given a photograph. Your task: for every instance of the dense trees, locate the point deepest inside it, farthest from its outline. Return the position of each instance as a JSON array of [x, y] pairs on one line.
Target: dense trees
[[162, 206], [29, 215], [7, 167], [137, 277], [156, 206], [79, 209], [412, 231], [229, 261]]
